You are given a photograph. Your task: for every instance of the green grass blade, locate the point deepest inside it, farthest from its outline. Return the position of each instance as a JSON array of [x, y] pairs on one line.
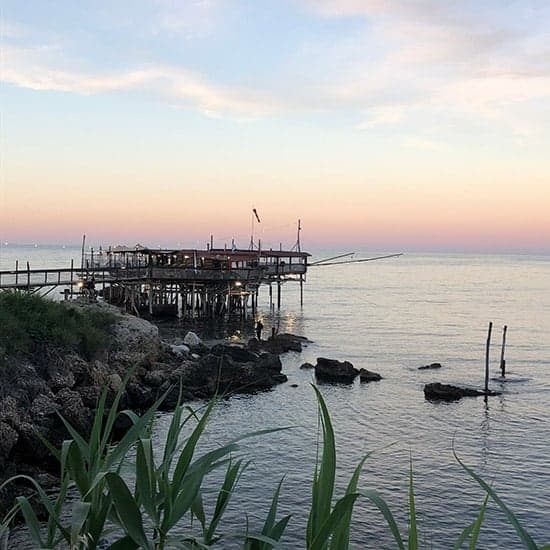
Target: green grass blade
[[189, 449], [476, 527], [79, 516], [114, 411], [77, 469], [53, 451], [413, 534], [79, 440], [380, 503], [340, 539], [323, 483], [185, 499], [279, 528], [5, 526], [145, 477], [260, 432], [197, 508], [524, 536], [341, 509], [131, 436], [272, 514], [44, 500], [31, 521], [229, 483], [127, 510], [95, 434], [463, 536]]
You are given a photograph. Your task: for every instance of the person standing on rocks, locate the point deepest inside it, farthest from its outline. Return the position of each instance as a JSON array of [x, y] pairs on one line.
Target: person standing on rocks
[[259, 328]]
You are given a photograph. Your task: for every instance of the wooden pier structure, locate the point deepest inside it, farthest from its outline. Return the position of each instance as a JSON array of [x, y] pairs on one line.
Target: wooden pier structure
[[188, 283]]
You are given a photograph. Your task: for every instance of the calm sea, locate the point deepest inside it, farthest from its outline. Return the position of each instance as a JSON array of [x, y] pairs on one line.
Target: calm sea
[[393, 316]]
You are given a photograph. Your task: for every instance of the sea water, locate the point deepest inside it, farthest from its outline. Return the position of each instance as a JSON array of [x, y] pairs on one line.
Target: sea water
[[392, 316]]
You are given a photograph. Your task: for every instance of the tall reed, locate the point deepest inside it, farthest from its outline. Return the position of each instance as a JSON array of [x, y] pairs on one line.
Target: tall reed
[[163, 506]]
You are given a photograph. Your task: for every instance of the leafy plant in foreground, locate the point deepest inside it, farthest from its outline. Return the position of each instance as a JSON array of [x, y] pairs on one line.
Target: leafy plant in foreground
[[169, 493]]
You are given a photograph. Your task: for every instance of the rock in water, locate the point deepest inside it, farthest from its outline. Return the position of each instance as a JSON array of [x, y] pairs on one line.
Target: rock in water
[[307, 366], [332, 370], [445, 392], [431, 366], [369, 376]]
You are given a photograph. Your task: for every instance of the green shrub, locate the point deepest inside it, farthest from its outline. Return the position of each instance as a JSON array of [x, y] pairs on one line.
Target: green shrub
[[33, 327]]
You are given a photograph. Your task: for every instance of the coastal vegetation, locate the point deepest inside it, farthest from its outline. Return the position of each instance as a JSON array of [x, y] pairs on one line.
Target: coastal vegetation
[[33, 328], [164, 506]]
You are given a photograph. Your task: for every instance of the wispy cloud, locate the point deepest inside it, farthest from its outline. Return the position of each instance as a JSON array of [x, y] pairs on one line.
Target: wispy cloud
[[190, 20], [174, 84], [467, 57]]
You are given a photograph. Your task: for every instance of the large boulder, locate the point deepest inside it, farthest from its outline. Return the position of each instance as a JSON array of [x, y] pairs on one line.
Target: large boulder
[[74, 411], [223, 375], [133, 334], [332, 370]]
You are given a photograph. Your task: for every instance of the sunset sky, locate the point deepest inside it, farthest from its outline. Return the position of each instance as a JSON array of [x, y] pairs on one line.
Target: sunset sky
[[389, 125]]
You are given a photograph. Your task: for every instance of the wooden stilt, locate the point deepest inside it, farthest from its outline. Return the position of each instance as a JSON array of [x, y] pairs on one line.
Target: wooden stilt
[[502, 360], [487, 357]]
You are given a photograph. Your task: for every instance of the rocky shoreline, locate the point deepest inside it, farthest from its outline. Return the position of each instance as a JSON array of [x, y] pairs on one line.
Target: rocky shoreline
[[33, 395]]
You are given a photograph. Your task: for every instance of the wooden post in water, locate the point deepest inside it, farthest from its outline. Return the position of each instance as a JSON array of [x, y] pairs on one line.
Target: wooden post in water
[[301, 289], [16, 271], [279, 294], [28, 276], [502, 360], [487, 357]]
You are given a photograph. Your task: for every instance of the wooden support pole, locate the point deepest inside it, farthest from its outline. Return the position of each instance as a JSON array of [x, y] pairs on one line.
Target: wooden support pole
[[487, 357], [270, 296], [28, 276], [502, 360], [301, 288], [16, 271], [72, 277], [279, 294]]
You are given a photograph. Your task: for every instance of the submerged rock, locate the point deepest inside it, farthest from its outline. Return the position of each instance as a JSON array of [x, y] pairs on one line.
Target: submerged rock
[[307, 366], [431, 366], [332, 370], [446, 392], [369, 376]]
